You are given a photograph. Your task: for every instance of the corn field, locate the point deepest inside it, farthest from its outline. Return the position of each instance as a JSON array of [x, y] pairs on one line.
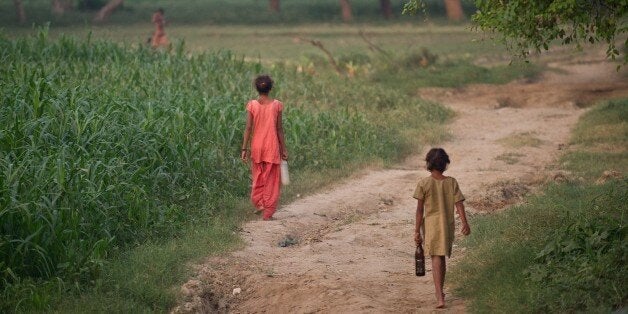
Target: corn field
[[103, 146]]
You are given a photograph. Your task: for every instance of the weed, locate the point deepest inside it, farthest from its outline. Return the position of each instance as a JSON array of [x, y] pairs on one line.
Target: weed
[[519, 140], [509, 158]]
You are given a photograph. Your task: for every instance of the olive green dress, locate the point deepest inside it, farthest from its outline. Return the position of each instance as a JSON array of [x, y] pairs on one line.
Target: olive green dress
[[439, 199]]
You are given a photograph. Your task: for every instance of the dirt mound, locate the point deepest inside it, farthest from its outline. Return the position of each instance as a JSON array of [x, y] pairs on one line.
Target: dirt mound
[[499, 195]]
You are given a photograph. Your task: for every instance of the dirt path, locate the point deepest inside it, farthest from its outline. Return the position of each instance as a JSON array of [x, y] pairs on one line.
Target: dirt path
[[355, 248]]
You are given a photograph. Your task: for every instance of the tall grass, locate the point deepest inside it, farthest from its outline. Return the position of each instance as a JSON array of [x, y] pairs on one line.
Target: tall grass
[[104, 148], [566, 249]]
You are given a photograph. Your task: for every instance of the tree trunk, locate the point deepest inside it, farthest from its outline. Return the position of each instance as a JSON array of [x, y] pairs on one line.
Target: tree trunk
[[347, 16], [454, 10], [274, 6], [19, 10], [60, 6], [386, 8], [106, 11]]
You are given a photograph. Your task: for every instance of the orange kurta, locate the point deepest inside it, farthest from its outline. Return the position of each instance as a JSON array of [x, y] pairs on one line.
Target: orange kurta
[[265, 143], [265, 156], [159, 37]]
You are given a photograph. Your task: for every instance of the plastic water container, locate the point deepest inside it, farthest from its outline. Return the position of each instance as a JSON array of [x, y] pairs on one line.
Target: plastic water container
[[285, 176]]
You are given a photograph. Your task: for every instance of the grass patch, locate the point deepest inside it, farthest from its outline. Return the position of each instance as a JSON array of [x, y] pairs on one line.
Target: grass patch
[[600, 127], [565, 250], [509, 158], [519, 140], [422, 68]]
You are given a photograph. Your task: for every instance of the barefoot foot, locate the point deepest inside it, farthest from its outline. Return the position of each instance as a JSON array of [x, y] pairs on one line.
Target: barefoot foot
[[441, 302]]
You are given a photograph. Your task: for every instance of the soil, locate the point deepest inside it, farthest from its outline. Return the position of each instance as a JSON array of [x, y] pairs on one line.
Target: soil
[[350, 248]]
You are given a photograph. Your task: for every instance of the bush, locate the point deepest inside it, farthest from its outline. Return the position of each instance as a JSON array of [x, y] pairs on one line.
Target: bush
[[584, 265]]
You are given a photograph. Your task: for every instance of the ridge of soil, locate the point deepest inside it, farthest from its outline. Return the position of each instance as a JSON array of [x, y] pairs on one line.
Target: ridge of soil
[[350, 248]]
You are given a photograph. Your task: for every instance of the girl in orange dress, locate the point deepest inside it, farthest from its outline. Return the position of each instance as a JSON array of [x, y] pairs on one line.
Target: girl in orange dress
[[268, 147], [159, 37]]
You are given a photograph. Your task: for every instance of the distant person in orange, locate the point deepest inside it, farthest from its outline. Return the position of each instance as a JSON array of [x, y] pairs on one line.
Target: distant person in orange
[[159, 37], [268, 147]]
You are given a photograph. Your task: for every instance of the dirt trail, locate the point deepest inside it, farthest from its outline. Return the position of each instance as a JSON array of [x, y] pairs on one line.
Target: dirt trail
[[355, 248]]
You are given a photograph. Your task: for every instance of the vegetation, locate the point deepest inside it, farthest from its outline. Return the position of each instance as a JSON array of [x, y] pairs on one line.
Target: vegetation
[[414, 70], [566, 249], [109, 155], [217, 12], [534, 25], [119, 164]]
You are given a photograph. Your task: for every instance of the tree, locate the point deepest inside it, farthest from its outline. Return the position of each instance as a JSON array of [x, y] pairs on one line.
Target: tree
[[106, 11], [19, 11], [345, 5], [386, 8], [526, 26], [274, 6], [454, 10]]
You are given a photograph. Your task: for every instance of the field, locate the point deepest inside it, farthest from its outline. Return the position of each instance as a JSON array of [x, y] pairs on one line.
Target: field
[[119, 164], [106, 147]]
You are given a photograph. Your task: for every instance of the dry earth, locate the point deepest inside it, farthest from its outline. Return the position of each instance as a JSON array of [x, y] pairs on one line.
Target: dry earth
[[352, 247]]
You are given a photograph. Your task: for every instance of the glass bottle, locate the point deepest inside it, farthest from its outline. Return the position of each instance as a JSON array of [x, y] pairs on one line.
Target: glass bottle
[[419, 261]]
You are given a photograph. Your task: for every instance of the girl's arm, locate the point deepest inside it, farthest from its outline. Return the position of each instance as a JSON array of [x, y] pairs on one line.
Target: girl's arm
[[282, 143], [419, 222], [247, 136], [466, 230]]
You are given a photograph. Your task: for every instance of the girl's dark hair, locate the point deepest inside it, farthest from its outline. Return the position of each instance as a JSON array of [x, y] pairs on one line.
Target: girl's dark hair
[[263, 84], [160, 10], [437, 159]]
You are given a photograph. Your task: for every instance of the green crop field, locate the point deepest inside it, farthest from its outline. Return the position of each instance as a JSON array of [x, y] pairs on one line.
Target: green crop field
[[105, 147]]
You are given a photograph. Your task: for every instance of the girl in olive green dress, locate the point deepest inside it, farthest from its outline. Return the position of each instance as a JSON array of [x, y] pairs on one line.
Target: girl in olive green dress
[[437, 196]]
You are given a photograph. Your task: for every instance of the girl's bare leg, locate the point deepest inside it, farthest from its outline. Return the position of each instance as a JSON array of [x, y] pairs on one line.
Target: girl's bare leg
[[438, 271]]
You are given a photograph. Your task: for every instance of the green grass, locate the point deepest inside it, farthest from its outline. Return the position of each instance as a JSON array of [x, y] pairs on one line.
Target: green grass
[[519, 140], [565, 250], [408, 73], [119, 165], [509, 158]]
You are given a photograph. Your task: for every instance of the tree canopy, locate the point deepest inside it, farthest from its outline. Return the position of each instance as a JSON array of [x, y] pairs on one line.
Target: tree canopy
[[526, 26]]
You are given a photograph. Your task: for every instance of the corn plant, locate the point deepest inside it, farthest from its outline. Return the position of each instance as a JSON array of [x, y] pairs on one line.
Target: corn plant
[[103, 147]]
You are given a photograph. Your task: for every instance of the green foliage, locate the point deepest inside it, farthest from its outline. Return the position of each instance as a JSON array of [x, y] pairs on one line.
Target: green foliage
[[585, 255], [525, 25], [105, 148], [564, 250], [424, 68]]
